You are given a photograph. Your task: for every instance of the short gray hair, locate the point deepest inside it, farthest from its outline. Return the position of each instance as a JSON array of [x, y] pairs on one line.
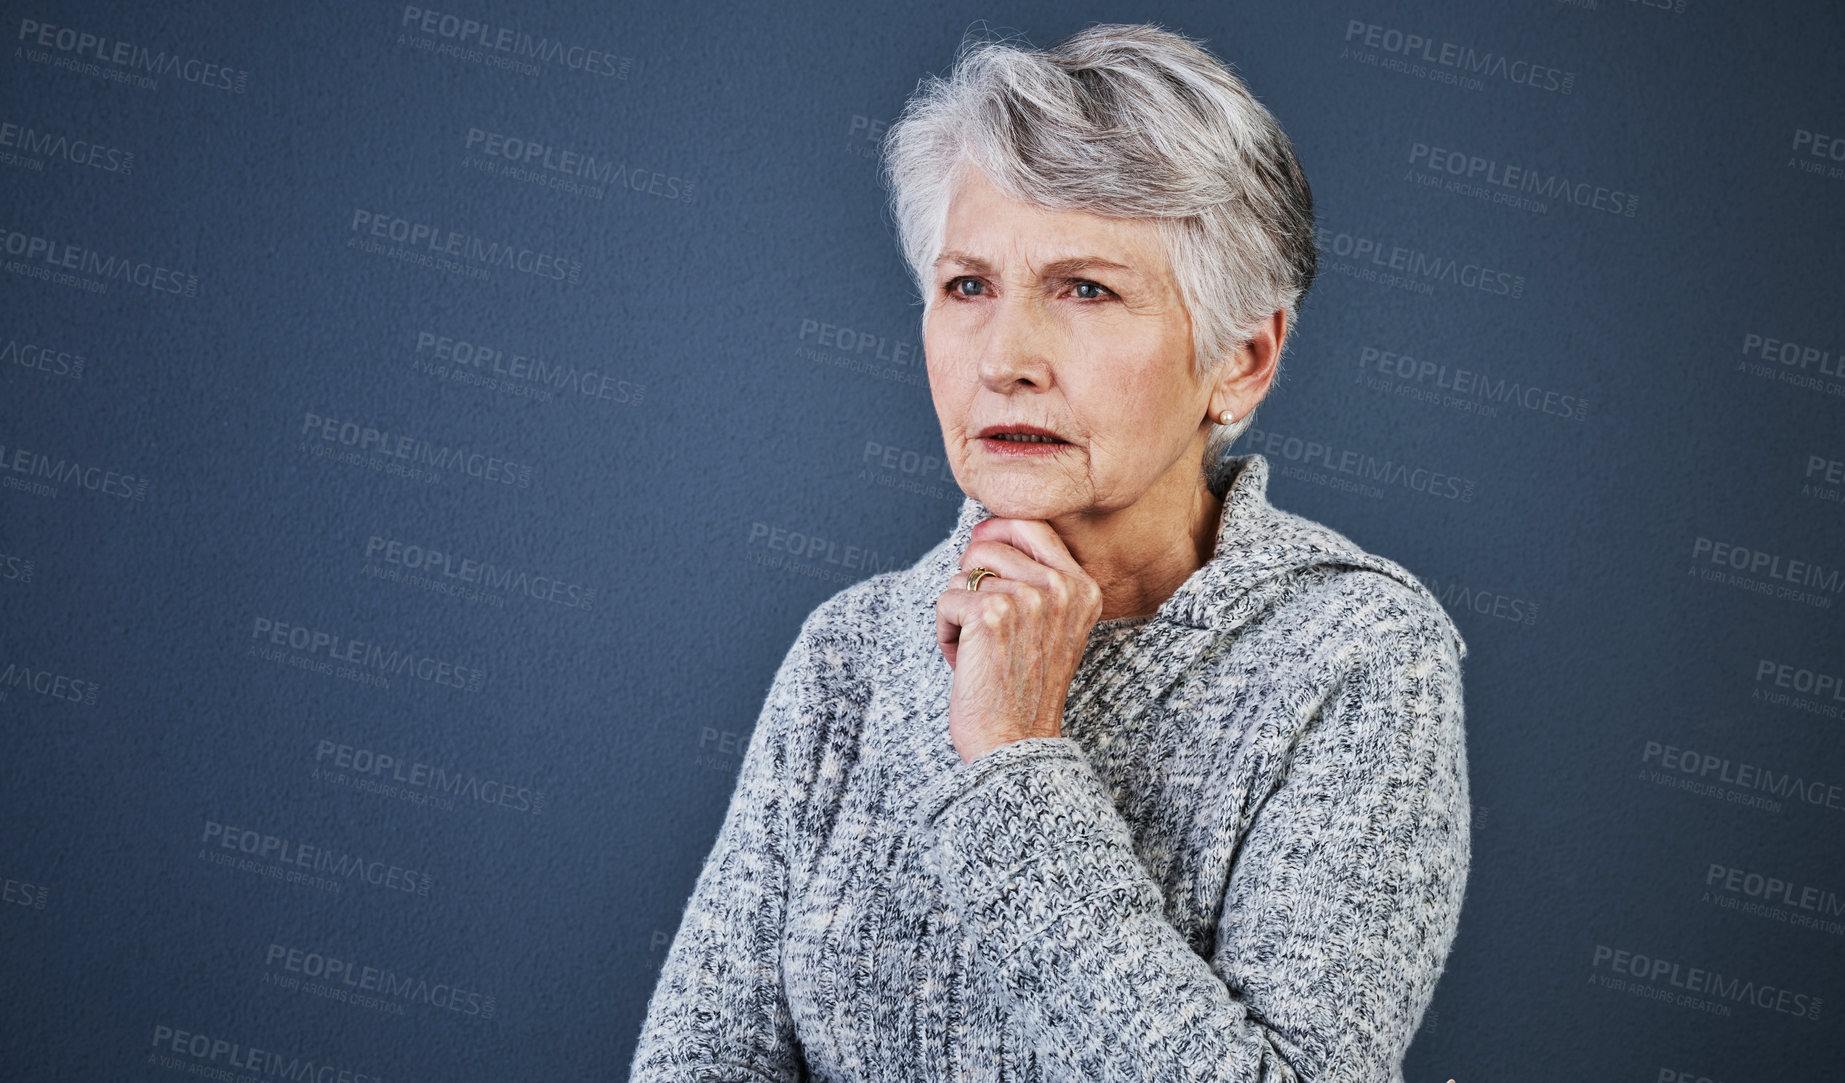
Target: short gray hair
[[1123, 122]]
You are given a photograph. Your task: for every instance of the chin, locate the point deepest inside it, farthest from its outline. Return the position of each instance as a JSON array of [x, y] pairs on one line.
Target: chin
[[1007, 502]]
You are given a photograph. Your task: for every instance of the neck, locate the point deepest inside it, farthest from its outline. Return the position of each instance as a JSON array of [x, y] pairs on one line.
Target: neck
[[1141, 554]]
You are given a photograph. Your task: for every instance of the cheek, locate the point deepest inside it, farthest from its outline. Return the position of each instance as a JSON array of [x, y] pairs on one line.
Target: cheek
[[1137, 415], [947, 384], [1139, 399]]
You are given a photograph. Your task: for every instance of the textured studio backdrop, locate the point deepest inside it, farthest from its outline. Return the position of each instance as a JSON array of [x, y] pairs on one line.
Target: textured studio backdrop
[[422, 431]]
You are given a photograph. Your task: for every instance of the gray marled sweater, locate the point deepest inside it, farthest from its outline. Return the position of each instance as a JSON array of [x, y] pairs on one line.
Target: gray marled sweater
[[1244, 860]]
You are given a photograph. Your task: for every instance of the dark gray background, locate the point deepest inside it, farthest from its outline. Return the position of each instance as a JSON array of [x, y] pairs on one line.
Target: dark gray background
[[744, 230]]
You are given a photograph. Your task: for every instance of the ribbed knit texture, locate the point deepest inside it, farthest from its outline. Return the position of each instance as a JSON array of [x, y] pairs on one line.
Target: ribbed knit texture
[[1243, 860]]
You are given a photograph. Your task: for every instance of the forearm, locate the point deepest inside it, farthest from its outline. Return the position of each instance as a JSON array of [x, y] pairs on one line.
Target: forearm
[[717, 1015], [1043, 869]]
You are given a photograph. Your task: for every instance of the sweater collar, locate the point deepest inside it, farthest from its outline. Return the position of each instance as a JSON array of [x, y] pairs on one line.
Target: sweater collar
[[1257, 544]]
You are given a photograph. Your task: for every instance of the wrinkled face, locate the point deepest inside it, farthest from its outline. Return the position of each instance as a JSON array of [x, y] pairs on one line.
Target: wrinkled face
[[1068, 324]]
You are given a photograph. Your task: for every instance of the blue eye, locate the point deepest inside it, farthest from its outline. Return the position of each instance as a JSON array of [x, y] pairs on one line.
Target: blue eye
[[967, 287], [1083, 291]]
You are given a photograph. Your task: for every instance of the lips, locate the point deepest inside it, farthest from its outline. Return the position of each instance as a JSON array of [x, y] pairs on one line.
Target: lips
[[1021, 443], [1021, 434]]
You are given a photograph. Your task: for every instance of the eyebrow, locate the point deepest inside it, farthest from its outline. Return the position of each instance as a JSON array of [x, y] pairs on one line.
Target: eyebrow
[[1068, 267]]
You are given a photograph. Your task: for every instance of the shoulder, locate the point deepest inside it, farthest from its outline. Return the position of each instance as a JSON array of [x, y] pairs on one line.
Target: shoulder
[[853, 636], [855, 612], [1301, 579], [1367, 598], [889, 609], [1393, 679], [1384, 611], [1344, 618], [1372, 665]]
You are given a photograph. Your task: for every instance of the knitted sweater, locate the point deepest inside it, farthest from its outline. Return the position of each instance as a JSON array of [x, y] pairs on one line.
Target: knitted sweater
[[1242, 861]]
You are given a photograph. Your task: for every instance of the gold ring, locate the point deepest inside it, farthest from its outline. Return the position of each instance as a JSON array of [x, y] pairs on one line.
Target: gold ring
[[974, 577]]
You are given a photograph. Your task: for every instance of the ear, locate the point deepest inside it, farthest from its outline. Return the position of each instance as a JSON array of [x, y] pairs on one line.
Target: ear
[[1244, 379]]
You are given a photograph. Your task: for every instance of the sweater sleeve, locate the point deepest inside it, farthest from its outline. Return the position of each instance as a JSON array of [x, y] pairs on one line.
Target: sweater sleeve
[[1337, 918], [718, 1013]]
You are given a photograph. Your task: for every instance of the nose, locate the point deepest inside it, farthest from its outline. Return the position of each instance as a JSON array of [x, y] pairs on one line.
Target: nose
[[1016, 353]]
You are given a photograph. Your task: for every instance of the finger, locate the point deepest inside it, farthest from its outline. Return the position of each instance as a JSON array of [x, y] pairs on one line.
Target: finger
[[947, 632], [950, 651], [1033, 537], [956, 608], [1009, 562], [1061, 591], [969, 612], [1029, 595]]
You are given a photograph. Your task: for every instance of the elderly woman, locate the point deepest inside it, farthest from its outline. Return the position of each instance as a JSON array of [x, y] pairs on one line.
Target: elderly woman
[[1134, 776]]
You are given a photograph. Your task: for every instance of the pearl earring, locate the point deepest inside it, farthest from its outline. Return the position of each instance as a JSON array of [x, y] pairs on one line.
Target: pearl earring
[[1226, 417]]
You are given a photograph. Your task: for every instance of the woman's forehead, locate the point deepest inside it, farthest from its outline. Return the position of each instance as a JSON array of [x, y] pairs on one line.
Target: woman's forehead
[[1047, 263], [988, 233]]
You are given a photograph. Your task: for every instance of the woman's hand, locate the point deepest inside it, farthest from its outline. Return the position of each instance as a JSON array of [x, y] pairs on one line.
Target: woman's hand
[[1015, 643]]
